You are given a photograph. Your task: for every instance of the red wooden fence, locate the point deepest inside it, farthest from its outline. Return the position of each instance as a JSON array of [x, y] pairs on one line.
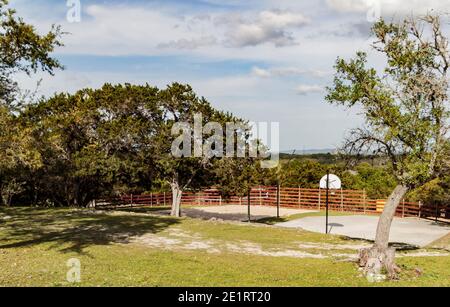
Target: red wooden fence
[[339, 200]]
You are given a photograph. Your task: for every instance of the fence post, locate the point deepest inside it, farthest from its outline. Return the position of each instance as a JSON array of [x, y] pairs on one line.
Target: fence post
[[220, 200], [260, 196], [278, 200], [131, 200], [320, 192], [151, 199], [365, 201], [403, 209], [164, 199], [299, 197], [342, 200], [420, 209]]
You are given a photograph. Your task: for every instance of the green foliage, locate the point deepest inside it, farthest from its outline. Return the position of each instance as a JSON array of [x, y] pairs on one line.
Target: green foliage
[[436, 192], [95, 140], [115, 140], [22, 49], [377, 181], [236, 177], [180, 104]]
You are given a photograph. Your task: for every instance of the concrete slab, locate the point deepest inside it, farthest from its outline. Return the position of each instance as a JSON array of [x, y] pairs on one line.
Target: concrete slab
[[411, 231]]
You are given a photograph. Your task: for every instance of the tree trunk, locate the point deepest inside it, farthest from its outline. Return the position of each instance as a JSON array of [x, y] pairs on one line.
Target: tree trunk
[[177, 193], [380, 258]]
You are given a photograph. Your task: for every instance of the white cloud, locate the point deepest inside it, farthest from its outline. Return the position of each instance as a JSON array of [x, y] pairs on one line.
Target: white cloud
[[261, 72], [390, 7], [140, 30], [304, 89], [268, 27], [189, 43], [289, 71]]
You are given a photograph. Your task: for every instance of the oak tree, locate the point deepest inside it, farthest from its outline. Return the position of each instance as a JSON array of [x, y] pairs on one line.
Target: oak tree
[[406, 113]]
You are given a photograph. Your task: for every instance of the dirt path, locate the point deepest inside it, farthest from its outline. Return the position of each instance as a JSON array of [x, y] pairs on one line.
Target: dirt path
[[178, 239]]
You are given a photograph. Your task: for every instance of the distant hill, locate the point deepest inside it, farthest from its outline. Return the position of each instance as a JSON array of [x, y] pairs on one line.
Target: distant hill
[[330, 156], [307, 152]]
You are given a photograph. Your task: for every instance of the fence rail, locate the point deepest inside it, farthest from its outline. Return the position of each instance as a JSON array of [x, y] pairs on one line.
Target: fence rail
[[353, 201]]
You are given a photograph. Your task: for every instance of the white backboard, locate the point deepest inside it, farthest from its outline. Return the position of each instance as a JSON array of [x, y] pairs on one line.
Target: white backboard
[[333, 184]]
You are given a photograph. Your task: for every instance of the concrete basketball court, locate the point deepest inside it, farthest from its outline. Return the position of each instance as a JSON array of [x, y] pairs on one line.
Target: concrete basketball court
[[239, 212], [411, 231]]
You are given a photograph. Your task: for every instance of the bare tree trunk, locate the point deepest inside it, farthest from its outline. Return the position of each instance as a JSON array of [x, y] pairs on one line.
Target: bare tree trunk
[[177, 193], [380, 257]]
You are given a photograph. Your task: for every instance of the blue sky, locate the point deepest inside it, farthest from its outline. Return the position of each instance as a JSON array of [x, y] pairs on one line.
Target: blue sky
[[264, 60]]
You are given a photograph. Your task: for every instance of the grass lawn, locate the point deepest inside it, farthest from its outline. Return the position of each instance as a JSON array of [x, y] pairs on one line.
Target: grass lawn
[[136, 249]]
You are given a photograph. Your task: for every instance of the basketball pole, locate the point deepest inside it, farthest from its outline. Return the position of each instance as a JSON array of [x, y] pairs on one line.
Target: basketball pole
[[328, 189]]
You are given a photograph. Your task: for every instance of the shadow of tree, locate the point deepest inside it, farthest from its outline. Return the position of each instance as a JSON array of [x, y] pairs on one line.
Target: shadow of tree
[[74, 230]]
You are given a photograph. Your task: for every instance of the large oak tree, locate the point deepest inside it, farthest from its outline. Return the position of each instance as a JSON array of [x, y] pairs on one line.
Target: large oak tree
[[406, 113]]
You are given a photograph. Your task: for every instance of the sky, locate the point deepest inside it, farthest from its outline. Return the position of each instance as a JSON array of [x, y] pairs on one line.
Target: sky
[[263, 60]]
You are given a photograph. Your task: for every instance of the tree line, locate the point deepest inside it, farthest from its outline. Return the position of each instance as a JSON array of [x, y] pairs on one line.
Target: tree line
[[69, 149]]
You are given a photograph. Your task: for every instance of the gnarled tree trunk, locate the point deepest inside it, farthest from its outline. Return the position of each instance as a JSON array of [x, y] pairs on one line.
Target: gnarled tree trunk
[[380, 258], [177, 193]]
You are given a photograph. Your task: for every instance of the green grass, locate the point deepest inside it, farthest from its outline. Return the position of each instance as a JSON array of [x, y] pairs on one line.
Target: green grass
[[36, 244]]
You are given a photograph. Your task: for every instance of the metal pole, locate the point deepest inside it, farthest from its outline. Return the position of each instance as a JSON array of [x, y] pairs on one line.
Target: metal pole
[[328, 188], [437, 212]]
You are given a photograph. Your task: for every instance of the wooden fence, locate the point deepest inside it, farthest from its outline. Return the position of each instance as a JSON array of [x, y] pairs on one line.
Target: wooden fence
[[353, 201]]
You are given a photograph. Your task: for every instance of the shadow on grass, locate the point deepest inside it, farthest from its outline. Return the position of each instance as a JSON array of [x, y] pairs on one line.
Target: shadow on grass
[[144, 209], [73, 230], [284, 219]]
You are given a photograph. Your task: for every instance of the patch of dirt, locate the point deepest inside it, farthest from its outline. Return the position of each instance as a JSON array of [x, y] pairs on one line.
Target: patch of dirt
[[328, 247], [153, 240], [177, 239], [255, 249], [423, 254]]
